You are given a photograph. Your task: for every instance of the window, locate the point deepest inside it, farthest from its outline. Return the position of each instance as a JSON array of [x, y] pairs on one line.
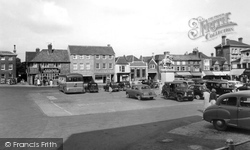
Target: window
[[138, 73], [88, 66], [97, 56], [10, 66], [74, 56], [103, 56], [183, 68], [2, 66], [2, 75], [110, 56], [177, 63], [10, 58], [2, 58], [104, 66], [87, 56], [81, 57], [152, 66], [231, 101], [110, 66], [97, 66], [81, 66], [183, 63], [74, 66], [122, 68], [245, 102], [10, 75], [143, 72]]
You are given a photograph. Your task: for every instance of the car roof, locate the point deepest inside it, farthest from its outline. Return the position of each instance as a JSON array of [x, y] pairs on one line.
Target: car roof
[[239, 93]]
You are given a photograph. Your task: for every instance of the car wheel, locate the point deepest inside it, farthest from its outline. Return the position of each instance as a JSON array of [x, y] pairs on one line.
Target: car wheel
[[220, 125], [197, 97], [127, 95], [138, 97], [179, 98]]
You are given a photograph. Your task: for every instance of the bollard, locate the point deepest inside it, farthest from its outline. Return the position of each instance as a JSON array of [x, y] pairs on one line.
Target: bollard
[[230, 144]]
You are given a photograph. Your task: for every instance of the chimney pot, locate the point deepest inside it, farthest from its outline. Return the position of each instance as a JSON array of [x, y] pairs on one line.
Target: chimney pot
[[212, 54], [223, 42], [108, 45], [37, 50], [14, 49], [50, 48]]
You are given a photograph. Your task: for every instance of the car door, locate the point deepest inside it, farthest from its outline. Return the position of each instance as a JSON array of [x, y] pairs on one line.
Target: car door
[[228, 110], [244, 113]]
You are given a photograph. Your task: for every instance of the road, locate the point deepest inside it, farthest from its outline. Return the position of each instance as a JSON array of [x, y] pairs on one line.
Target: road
[[103, 120]]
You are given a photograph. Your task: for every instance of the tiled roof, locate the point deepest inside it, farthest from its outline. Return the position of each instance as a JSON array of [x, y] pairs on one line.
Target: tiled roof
[[138, 63], [185, 57], [4, 53], [245, 50], [91, 50], [233, 43], [221, 60], [55, 56], [29, 56], [121, 60], [131, 58], [147, 58]]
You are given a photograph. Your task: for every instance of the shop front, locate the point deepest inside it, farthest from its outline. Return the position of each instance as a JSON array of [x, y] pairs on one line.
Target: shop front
[[183, 75]]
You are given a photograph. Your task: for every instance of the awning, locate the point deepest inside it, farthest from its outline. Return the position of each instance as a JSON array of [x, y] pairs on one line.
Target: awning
[[207, 73], [226, 73], [236, 72], [218, 73], [196, 74], [183, 73]]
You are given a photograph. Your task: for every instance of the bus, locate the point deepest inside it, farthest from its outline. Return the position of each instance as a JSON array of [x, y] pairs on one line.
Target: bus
[[71, 83]]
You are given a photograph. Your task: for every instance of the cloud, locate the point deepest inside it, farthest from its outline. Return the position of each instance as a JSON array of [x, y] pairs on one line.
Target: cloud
[[36, 16]]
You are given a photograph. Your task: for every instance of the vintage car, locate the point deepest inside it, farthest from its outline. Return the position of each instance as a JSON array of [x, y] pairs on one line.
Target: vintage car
[[198, 90], [231, 109], [124, 85], [179, 90], [245, 86], [141, 91], [115, 87], [155, 85], [91, 87], [221, 86]]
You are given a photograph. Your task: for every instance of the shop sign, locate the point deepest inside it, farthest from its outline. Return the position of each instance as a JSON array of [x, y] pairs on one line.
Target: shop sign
[[244, 60], [50, 70], [211, 28]]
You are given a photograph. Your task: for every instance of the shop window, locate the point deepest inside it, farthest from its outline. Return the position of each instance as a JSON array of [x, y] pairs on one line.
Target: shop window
[[10, 75], [2, 58], [138, 73]]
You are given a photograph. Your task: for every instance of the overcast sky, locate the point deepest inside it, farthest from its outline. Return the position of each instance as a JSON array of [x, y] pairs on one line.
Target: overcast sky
[[137, 27]]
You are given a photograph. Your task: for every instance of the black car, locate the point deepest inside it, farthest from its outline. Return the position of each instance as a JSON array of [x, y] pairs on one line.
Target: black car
[[91, 87], [246, 86], [124, 85], [115, 87], [221, 86], [198, 90]]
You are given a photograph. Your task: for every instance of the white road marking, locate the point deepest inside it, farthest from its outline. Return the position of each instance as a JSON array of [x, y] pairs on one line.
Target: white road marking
[[51, 97], [61, 108]]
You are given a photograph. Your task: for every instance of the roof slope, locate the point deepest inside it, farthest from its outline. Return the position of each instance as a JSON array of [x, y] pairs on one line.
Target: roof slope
[[91, 50], [4, 53], [131, 58], [121, 60], [233, 43], [55, 56], [29, 56]]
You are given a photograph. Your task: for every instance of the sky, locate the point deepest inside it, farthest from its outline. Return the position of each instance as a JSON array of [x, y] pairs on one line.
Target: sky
[[131, 27]]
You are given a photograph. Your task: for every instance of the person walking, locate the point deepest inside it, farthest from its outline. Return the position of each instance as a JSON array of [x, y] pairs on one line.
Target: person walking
[[206, 96], [38, 82], [51, 83], [110, 89], [213, 97]]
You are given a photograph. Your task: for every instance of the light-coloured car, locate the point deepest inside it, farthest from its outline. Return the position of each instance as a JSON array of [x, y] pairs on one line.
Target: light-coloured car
[[231, 109], [141, 91], [235, 84]]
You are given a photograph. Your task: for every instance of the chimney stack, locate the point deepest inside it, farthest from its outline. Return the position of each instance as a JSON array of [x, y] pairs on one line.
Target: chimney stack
[[50, 48], [108, 45], [240, 39], [212, 54], [153, 56], [14, 49], [223, 40], [37, 50]]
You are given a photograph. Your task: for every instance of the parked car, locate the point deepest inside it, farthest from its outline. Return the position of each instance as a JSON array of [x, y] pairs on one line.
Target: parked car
[[140, 91], [235, 84], [114, 86], [91, 87], [124, 85], [221, 86], [178, 89], [198, 90], [231, 109], [245, 86]]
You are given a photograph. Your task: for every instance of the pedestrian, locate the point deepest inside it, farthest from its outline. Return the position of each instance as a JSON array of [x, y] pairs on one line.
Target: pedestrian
[[213, 97], [206, 96], [44, 82], [110, 89], [38, 82], [51, 83]]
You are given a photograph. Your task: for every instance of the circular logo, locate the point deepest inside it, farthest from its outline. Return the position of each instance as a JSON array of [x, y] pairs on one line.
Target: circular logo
[[7, 144]]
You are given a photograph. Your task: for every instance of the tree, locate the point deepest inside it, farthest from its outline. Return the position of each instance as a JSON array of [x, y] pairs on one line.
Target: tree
[[20, 69]]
